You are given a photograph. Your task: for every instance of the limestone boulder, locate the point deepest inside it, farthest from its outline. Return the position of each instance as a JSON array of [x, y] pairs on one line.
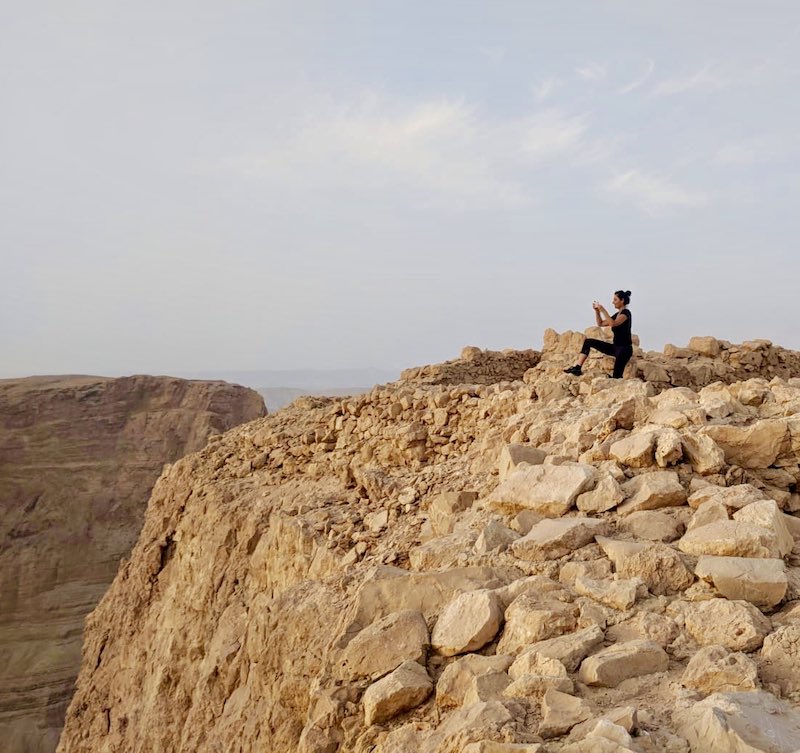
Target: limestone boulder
[[404, 689], [780, 659], [746, 722], [561, 712], [570, 571], [704, 454], [651, 626], [669, 447], [731, 538], [709, 512], [715, 669], [650, 491], [457, 682], [385, 645], [535, 686], [733, 497], [570, 649], [495, 537], [513, 455], [467, 623], [762, 582], [611, 666], [636, 450], [535, 663], [767, 514], [444, 508], [606, 495], [530, 619], [554, 538], [659, 566], [550, 490], [652, 525], [617, 594], [443, 551], [755, 446], [736, 625]]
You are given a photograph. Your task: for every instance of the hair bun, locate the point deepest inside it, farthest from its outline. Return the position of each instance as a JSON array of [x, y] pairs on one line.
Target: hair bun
[[628, 293]]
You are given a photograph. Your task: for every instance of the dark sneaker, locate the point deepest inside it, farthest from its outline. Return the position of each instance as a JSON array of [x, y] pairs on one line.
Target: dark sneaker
[[575, 370]]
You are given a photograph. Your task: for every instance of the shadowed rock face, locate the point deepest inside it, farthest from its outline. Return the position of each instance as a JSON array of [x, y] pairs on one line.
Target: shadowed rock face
[[78, 459]]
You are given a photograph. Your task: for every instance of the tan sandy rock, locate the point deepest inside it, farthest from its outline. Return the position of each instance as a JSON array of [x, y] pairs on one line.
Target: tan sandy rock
[[659, 628], [767, 514], [487, 687], [669, 447], [553, 538], [704, 454], [709, 512], [611, 666], [636, 450], [561, 712], [569, 571], [731, 538], [539, 586], [652, 525], [736, 625], [651, 491], [457, 680], [780, 659], [488, 746], [762, 582], [716, 669], [535, 686], [570, 649], [530, 619], [495, 537], [606, 495], [746, 722], [443, 552], [403, 689], [625, 717], [659, 566], [513, 454], [617, 594], [550, 490], [467, 623], [618, 550], [444, 508], [754, 446], [534, 663], [473, 723], [733, 497], [385, 645], [705, 346]]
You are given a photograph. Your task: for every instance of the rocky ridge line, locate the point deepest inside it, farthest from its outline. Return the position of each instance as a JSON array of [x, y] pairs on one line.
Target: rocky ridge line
[[544, 564]]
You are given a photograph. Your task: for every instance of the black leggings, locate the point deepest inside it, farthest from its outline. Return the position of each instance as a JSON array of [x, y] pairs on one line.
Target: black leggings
[[622, 353]]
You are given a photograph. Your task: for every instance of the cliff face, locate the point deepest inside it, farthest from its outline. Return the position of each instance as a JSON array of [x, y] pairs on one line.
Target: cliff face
[[78, 460], [544, 561]]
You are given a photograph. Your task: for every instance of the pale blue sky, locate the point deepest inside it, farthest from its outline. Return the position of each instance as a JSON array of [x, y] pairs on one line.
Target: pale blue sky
[[273, 185]]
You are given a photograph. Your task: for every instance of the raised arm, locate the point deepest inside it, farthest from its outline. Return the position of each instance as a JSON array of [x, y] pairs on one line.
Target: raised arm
[[605, 320]]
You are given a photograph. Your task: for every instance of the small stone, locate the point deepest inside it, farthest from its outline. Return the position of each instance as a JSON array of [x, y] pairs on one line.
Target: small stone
[[730, 538], [606, 495], [551, 539], [457, 680], [609, 667], [570, 649], [495, 537], [780, 659], [652, 525], [651, 626], [445, 507], [767, 514], [737, 625], [617, 594], [762, 582], [530, 619], [404, 689], [467, 623], [550, 490], [561, 712], [650, 491], [733, 497], [716, 669], [513, 454], [635, 451]]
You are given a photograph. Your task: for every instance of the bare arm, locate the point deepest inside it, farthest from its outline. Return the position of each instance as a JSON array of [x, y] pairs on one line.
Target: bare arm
[[605, 320]]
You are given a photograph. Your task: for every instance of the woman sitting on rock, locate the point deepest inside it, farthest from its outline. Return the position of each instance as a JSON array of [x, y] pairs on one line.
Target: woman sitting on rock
[[620, 323]]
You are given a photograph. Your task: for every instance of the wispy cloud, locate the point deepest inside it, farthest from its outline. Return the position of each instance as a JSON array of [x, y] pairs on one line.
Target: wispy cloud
[[652, 194], [545, 88], [705, 78], [640, 80], [592, 72], [750, 151], [441, 153]]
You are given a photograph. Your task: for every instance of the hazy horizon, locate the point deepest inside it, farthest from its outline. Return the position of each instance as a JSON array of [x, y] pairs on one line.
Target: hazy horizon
[[197, 186]]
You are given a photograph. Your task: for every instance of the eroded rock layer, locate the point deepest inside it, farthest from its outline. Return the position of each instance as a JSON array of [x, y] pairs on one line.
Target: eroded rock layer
[[78, 460], [547, 563]]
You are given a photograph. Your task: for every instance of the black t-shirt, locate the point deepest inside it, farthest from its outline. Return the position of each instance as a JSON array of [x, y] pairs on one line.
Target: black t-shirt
[[622, 334]]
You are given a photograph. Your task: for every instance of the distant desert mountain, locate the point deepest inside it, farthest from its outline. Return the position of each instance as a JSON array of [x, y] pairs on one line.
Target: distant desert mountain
[[308, 380], [78, 458]]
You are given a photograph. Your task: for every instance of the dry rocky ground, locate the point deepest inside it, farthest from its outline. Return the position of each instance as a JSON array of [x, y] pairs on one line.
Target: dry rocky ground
[[486, 556], [78, 460]]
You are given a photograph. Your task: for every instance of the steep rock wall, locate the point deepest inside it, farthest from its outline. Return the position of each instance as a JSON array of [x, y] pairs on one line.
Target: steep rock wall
[[78, 459]]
